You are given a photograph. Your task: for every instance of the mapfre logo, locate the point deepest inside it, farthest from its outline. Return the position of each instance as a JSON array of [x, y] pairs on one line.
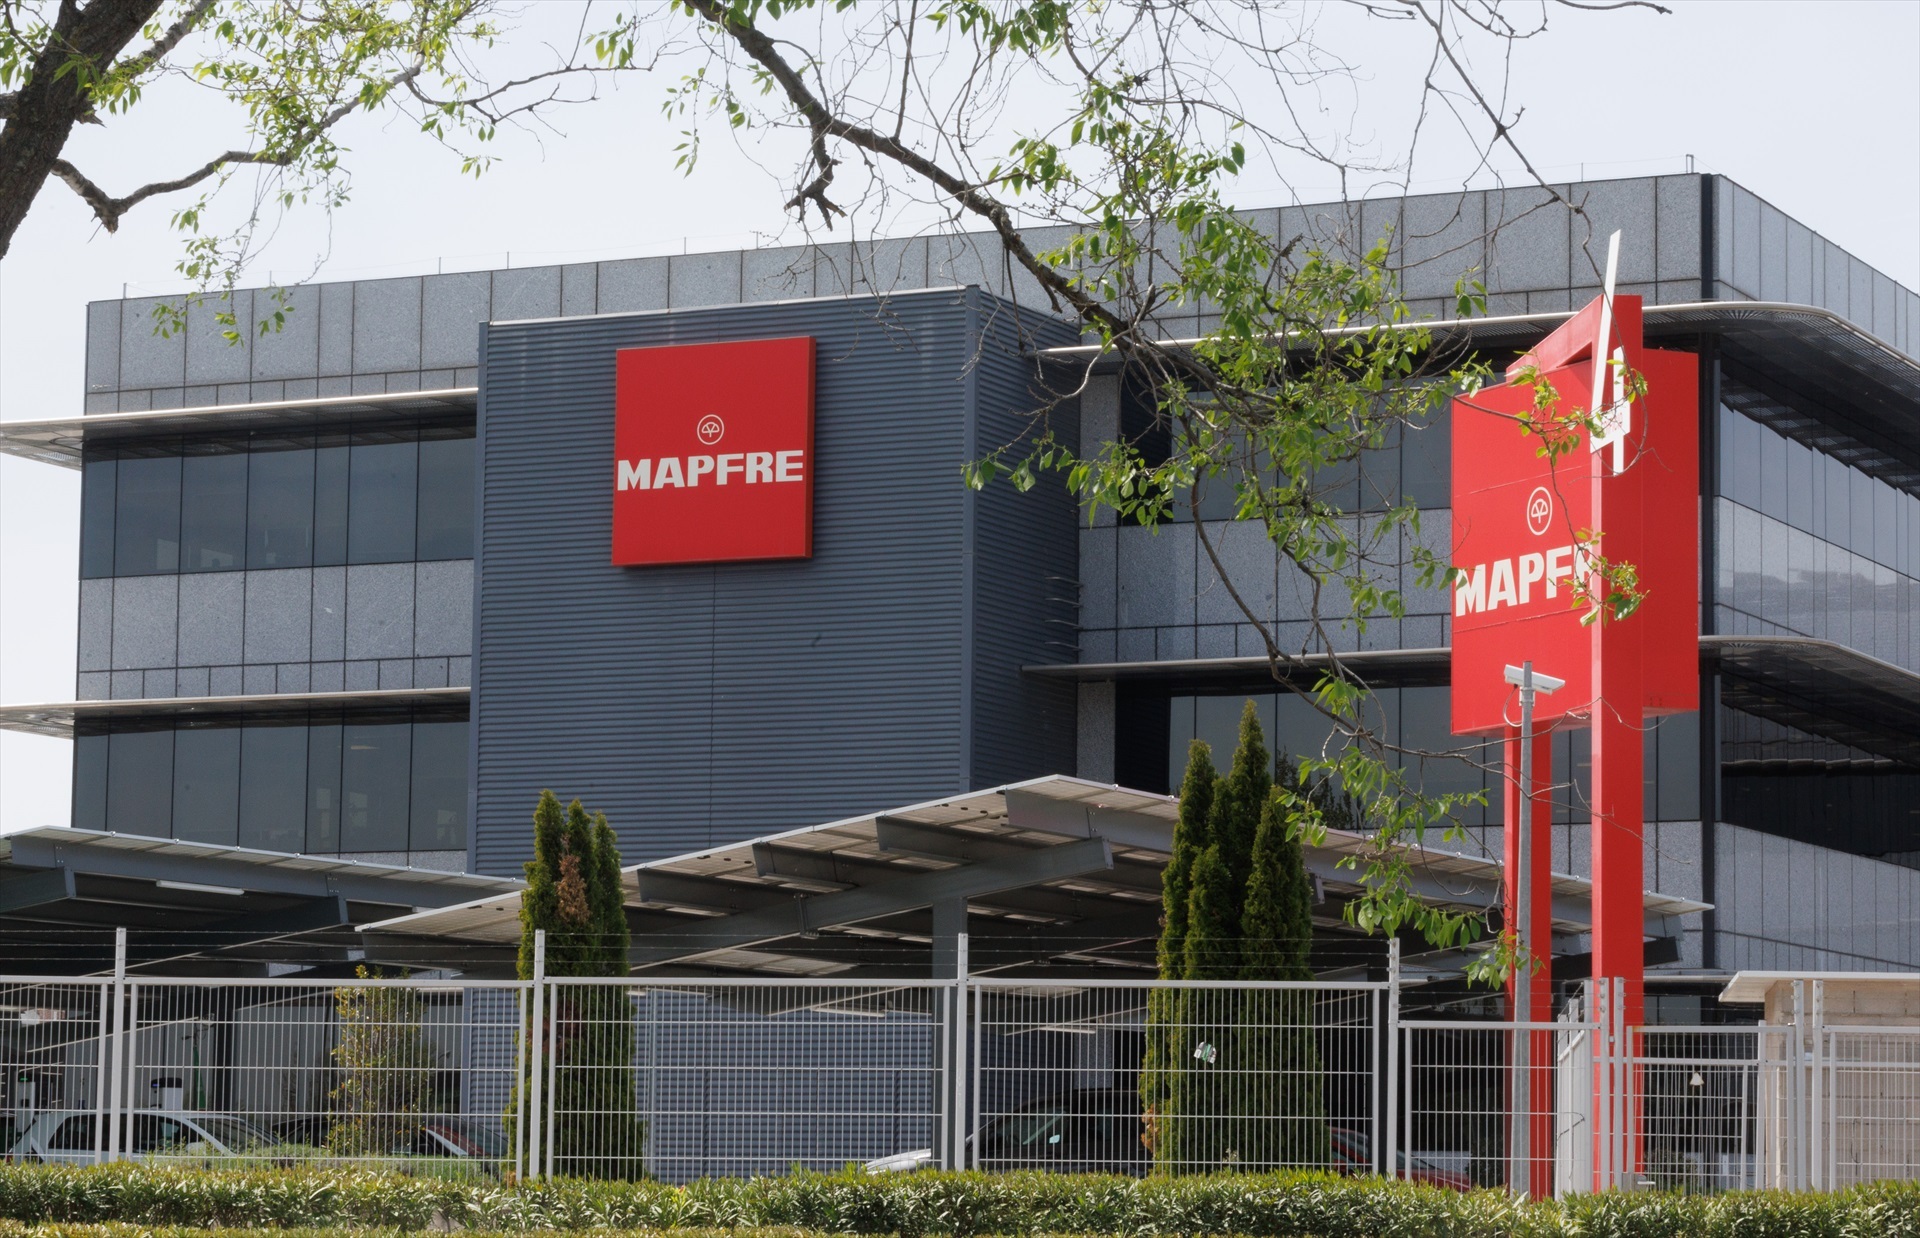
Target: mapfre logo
[[678, 500], [1539, 511]]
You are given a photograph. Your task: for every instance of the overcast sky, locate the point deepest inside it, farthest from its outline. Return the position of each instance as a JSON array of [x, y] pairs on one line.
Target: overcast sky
[[1815, 107]]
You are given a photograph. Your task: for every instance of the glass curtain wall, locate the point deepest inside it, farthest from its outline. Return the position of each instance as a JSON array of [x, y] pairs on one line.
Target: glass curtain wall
[[1811, 546], [324, 784], [1791, 783], [1417, 719], [274, 499]]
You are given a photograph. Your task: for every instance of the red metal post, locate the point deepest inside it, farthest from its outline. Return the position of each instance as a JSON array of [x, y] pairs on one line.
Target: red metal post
[[1540, 861]]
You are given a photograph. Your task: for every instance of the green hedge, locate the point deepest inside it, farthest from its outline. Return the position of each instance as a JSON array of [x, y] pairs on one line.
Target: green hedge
[[1280, 1206]]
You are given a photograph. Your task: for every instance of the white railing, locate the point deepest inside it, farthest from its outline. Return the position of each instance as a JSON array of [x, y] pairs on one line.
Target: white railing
[[679, 1079]]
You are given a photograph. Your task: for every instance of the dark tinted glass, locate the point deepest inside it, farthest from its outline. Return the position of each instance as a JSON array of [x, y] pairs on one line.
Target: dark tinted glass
[[90, 782], [273, 781], [1380, 474], [380, 502], [439, 812], [1426, 462], [1799, 485], [446, 498], [1742, 478], [330, 504], [213, 512], [146, 536], [96, 518], [75, 1134], [1860, 540], [280, 505], [1839, 500], [140, 783], [1886, 524], [1773, 474], [1679, 744], [206, 785], [374, 762], [323, 789]]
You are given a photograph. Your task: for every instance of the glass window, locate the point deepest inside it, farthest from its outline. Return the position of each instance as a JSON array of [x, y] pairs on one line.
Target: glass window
[[280, 503], [380, 502], [374, 780], [273, 780], [1839, 501], [75, 1134], [1886, 524], [1426, 462], [146, 538], [329, 503], [1799, 485], [323, 789], [439, 812], [1678, 739], [140, 783], [97, 482], [213, 512], [1742, 480], [1861, 487], [90, 782], [1773, 474], [446, 497], [1426, 722], [1817, 519], [1380, 474], [206, 785]]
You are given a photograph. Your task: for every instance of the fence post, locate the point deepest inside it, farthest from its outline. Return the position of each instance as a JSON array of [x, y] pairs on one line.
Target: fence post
[[115, 1082], [1818, 1092], [961, 1075], [1391, 1164], [979, 1001], [536, 1058], [107, 1095]]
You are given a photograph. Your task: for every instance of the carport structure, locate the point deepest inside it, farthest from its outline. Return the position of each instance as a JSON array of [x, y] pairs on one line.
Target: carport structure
[[199, 908], [1055, 876]]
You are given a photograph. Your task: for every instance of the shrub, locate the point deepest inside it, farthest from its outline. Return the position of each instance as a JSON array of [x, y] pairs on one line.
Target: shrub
[[911, 1205]]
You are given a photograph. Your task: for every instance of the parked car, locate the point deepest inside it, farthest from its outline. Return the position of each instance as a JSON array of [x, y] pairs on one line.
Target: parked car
[[1353, 1155], [439, 1136], [71, 1136], [1086, 1130], [1097, 1130]]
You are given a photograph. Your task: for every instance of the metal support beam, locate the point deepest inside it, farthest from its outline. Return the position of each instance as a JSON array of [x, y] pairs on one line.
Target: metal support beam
[[360, 884], [902, 837], [24, 889], [818, 871], [329, 911], [1073, 819], [904, 893], [658, 889]]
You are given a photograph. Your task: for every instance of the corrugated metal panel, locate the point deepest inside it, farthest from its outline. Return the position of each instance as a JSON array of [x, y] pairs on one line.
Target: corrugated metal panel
[[1026, 557], [701, 705]]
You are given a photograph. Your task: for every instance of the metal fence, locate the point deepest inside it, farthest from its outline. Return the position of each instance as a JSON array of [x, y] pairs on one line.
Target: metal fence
[[679, 1079]]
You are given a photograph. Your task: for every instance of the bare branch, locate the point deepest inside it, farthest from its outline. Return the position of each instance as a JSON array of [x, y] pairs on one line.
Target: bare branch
[[135, 65], [109, 210]]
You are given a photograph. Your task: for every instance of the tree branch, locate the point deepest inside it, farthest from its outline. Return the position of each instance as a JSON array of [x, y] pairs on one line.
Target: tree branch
[[109, 210], [824, 124], [133, 66]]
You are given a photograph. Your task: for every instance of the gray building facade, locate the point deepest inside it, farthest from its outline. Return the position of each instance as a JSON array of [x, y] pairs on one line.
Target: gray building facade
[[941, 640]]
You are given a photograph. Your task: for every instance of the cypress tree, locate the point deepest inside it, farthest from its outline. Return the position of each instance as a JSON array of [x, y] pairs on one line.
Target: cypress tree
[[1241, 797], [1283, 1119], [1201, 1117], [1161, 1058], [573, 893]]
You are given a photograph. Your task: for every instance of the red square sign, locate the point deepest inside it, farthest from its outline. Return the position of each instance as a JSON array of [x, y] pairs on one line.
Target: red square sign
[[713, 452]]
